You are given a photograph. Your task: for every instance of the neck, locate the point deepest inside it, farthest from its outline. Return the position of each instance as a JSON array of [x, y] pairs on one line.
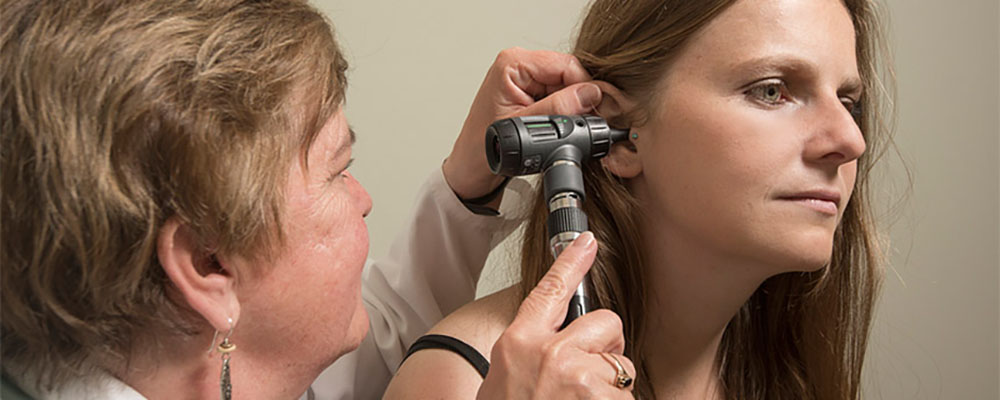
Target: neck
[[183, 368], [695, 291]]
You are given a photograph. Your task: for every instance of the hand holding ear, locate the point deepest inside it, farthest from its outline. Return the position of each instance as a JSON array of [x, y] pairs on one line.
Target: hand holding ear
[[520, 82]]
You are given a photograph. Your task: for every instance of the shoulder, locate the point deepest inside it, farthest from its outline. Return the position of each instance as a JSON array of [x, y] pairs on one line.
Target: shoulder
[[479, 324]]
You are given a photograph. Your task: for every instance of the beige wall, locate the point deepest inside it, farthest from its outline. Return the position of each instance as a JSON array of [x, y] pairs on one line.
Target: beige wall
[[936, 330], [416, 66]]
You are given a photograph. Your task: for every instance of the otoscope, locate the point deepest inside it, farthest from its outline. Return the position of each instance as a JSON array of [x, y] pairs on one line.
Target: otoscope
[[557, 146]]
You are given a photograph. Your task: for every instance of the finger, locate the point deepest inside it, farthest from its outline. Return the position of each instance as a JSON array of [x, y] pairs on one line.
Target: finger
[[545, 307], [598, 331], [629, 368], [580, 98], [610, 107], [538, 72], [592, 376], [616, 360]]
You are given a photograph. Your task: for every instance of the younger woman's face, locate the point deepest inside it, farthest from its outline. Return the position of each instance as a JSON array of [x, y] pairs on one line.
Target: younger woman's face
[[751, 148]]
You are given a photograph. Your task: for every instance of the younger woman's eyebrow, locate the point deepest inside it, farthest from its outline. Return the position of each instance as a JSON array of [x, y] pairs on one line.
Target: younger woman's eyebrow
[[775, 63], [852, 86], [789, 64]]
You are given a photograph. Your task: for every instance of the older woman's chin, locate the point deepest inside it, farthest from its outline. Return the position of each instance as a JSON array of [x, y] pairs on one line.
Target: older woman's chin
[[350, 341], [358, 328]]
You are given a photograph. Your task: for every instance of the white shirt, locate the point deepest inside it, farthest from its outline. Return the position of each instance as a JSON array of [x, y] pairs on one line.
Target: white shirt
[[100, 387]]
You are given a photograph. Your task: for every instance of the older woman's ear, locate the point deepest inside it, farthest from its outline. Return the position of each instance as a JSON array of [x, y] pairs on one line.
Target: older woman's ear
[[623, 159], [207, 287]]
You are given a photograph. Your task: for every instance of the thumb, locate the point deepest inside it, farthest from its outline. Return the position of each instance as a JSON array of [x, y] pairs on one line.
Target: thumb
[[545, 307], [580, 98]]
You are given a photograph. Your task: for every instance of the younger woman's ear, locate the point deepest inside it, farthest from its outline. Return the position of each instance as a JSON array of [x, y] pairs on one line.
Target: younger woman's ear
[[614, 105], [206, 286], [623, 158]]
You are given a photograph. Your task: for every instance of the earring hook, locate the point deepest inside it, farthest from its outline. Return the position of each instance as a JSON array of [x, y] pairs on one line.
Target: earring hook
[[226, 346]]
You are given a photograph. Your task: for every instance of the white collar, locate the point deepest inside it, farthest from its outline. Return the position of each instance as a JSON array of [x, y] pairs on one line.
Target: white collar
[[103, 386]]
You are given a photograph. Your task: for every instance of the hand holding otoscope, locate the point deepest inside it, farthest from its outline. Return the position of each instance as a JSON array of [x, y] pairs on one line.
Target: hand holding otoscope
[[557, 146], [529, 359]]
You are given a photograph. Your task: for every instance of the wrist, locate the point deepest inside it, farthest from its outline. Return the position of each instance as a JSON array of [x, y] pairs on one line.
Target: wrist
[[469, 183], [467, 189]]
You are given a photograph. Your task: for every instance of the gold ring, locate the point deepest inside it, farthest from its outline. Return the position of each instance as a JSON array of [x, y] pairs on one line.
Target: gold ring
[[622, 379]]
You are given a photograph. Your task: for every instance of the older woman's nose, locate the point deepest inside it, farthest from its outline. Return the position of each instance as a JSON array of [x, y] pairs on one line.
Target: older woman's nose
[[836, 138], [363, 198], [367, 202]]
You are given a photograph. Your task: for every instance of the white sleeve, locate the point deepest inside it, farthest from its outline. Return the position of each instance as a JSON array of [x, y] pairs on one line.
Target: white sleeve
[[431, 270]]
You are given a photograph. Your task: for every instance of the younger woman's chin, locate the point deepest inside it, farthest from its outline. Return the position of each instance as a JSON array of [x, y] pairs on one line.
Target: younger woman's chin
[[810, 261], [800, 257]]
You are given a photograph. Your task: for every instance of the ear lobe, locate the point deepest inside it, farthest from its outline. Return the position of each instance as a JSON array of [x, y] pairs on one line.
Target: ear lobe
[[206, 287]]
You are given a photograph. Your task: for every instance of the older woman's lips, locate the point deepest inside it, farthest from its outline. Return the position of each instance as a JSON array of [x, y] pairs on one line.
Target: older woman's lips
[[825, 202]]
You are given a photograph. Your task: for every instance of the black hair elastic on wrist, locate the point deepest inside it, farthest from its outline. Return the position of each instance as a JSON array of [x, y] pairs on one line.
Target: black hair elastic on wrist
[[478, 204]]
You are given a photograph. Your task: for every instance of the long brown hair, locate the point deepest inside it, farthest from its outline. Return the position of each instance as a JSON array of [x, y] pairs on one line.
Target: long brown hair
[[800, 335]]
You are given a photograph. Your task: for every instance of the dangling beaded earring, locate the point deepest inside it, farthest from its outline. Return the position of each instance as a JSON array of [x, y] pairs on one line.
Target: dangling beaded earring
[[226, 347]]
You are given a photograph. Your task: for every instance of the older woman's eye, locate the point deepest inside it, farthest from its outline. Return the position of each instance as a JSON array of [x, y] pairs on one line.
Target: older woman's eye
[[768, 92], [337, 174]]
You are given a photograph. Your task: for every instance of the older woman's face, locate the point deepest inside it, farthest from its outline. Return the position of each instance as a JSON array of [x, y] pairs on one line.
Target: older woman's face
[[307, 306], [751, 147]]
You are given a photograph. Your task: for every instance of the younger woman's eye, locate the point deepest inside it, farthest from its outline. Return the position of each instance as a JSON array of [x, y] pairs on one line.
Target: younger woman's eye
[[770, 92], [852, 107]]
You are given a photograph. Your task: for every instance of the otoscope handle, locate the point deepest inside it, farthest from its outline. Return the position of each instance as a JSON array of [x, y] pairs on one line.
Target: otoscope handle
[[579, 304]]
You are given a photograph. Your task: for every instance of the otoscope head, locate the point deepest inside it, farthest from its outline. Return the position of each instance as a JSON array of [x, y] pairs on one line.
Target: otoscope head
[[529, 145]]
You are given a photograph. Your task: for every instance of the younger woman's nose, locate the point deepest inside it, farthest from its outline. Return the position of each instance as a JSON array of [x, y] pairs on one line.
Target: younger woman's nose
[[836, 137]]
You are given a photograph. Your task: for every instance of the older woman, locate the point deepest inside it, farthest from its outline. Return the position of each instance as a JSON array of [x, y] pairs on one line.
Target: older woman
[[178, 218], [737, 240]]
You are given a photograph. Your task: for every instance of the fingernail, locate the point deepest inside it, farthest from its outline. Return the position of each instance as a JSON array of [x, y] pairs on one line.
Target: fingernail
[[589, 95], [584, 240]]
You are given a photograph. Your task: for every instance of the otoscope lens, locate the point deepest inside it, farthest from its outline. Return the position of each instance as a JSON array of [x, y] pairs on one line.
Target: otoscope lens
[[492, 142], [496, 147]]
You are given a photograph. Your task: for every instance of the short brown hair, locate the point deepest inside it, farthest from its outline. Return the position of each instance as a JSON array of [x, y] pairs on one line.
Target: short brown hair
[[118, 115]]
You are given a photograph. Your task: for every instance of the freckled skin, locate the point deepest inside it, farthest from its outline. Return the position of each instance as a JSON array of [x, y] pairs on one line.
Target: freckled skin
[[307, 308], [715, 159]]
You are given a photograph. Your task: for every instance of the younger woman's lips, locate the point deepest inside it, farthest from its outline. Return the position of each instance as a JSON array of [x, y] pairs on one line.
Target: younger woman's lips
[[824, 206]]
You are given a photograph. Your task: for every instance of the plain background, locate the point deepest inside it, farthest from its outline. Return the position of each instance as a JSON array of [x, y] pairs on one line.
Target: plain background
[[415, 67]]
